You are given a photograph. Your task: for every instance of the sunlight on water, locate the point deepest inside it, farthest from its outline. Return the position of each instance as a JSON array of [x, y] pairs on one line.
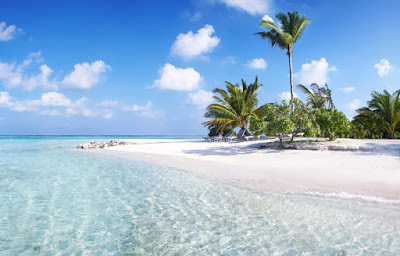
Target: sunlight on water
[[56, 199]]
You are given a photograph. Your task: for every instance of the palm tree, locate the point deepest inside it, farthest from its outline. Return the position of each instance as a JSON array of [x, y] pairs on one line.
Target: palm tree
[[328, 96], [318, 97], [293, 25], [233, 107], [384, 108]]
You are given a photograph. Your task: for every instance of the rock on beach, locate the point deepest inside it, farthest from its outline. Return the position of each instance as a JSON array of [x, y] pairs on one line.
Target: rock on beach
[[94, 144]]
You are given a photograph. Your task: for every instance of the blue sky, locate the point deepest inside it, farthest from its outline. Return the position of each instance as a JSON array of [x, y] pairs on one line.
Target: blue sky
[[147, 67]]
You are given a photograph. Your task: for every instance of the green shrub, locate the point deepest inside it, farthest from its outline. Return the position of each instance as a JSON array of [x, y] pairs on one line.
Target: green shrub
[[332, 122]]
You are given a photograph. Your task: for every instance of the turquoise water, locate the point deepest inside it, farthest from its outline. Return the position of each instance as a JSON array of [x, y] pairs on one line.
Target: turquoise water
[[58, 200]]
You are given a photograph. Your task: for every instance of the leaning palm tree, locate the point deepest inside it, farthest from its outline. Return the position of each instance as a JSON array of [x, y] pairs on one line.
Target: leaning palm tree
[[234, 106], [328, 96], [293, 25], [384, 108], [318, 97]]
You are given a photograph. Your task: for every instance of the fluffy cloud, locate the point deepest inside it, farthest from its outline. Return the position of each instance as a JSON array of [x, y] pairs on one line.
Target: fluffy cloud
[[85, 75], [267, 18], [383, 67], [8, 33], [178, 79], [251, 6], [347, 89], [314, 72], [54, 104], [286, 96], [13, 75], [200, 98], [355, 104], [5, 99], [145, 110], [190, 45], [53, 99], [257, 64]]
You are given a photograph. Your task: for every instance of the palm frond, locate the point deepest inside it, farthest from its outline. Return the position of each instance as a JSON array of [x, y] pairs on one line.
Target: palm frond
[[233, 106]]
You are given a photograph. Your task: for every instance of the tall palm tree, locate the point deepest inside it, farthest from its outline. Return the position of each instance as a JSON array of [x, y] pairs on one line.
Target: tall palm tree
[[318, 97], [234, 106], [293, 25], [384, 108]]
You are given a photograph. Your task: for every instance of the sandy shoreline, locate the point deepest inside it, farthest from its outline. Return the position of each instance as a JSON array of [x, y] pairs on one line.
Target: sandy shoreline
[[375, 172]]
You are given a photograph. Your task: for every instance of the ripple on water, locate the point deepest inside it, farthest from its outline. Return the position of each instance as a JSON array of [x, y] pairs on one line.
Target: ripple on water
[[77, 202]]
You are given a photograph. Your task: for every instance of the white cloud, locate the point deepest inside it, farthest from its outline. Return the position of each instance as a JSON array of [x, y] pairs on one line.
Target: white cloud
[[13, 75], [107, 103], [145, 110], [270, 19], [286, 96], [383, 67], [178, 79], [54, 99], [190, 45], [251, 6], [136, 107], [314, 72], [50, 99], [8, 33], [200, 98], [5, 99], [259, 63], [85, 75], [355, 104], [347, 89], [53, 104], [267, 18]]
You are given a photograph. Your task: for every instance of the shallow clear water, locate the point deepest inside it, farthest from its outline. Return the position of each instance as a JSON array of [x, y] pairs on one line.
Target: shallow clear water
[[57, 200]]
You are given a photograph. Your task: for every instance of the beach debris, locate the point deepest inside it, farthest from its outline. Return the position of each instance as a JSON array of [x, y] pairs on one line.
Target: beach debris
[[94, 144]]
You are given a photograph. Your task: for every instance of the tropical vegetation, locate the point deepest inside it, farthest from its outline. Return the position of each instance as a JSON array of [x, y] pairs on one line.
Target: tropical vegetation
[[233, 107], [291, 28], [381, 114], [318, 97], [237, 105], [332, 123], [280, 119]]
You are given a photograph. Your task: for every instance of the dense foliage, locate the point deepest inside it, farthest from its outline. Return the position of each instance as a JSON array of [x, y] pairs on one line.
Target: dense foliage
[[234, 106], [279, 119], [332, 123], [381, 116]]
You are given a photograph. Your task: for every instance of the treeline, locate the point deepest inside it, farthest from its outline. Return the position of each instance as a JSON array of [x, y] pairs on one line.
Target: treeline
[[317, 117]]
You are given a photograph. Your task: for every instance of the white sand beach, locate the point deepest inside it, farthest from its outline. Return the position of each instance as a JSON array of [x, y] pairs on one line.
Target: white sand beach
[[374, 171]]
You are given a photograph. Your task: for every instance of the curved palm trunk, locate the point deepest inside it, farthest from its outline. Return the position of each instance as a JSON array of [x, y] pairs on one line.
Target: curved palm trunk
[[291, 74]]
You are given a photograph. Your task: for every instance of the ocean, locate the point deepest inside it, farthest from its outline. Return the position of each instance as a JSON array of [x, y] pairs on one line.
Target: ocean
[[59, 200]]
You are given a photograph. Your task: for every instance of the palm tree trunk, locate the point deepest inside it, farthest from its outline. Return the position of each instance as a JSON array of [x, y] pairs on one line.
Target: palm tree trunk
[[291, 74], [391, 132]]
